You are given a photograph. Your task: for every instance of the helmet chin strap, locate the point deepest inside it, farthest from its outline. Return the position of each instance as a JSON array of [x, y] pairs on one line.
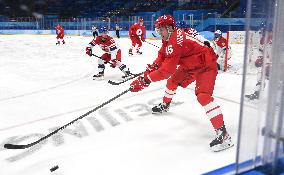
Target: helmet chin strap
[[170, 32]]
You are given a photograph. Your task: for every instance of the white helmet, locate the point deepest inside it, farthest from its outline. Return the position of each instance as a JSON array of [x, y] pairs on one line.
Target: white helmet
[[218, 32]]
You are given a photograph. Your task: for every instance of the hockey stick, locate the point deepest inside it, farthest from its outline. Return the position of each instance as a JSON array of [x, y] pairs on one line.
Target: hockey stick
[[12, 146], [147, 42], [135, 75], [154, 35], [151, 44], [125, 80], [99, 57]]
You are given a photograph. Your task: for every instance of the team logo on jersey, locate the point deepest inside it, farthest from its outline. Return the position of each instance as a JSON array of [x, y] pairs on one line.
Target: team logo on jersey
[[179, 37], [139, 32]]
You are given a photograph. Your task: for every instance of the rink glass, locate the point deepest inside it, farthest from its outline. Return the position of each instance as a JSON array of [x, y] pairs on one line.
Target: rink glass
[[260, 139]]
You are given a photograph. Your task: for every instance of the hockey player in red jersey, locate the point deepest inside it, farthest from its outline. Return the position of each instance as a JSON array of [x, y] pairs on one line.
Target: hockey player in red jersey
[[192, 32], [137, 35], [172, 86], [60, 34], [221, 49], [195, 60], [112, 53]]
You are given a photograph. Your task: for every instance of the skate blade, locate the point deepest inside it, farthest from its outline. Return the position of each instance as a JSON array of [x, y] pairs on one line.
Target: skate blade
[[160, 113], [98, 78], [157, 113], [222, 147]]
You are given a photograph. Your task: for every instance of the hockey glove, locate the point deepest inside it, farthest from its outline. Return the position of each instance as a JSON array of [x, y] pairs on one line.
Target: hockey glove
[[207, 43], [139, 84], [143, 39], [150, 68], [89, 51], [113, 63], [259, 61]]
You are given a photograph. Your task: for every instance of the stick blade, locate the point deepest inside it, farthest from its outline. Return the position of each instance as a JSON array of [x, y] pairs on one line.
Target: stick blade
[[11, 146], [112, 82]]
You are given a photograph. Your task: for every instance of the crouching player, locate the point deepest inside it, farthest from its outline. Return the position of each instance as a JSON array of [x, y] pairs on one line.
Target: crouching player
[[196, 61], [112, 53], [222, 49]]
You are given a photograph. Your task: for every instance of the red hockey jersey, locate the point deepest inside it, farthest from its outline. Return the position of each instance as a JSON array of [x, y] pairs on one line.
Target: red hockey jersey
[[106, 45], [221, 42], [59, 30], [182, 49], [137, 30]]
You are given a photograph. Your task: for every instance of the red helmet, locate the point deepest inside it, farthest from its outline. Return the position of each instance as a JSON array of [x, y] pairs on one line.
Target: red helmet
[[165, 20]]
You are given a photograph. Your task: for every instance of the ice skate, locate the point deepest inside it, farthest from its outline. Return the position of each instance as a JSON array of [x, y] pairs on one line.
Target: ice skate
[[127, 74], [63, 42], [161, 108], [139, 52], [253, 96], [222, 140], [58, 43], [98, 76], [130, 52]]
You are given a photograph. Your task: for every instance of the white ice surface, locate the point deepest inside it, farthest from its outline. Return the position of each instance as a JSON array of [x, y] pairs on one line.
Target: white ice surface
[[43, 86]]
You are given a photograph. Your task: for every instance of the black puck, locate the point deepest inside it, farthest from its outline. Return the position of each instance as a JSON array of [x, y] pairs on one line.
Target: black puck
[[54, 168]]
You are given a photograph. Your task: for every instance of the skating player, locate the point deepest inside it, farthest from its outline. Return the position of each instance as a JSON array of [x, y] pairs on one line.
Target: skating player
[[221, 46], [192, 32], [195, 60], [95, 31], [171, 87], [112, 53], [60, 34], [265, 45], [137, 36]]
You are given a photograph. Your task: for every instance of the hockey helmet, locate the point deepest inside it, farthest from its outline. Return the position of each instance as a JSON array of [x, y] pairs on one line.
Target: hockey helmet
[[103, 30], [165, 20], [141, 20], [217, 34]]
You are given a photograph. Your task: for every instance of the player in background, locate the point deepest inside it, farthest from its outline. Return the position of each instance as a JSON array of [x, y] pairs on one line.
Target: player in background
[[221, 46], [117, 29], [171, 87], [60, 34], [195, 60], [95, 31], [137, 35], [192, 32], [112, 53], [263, 66]]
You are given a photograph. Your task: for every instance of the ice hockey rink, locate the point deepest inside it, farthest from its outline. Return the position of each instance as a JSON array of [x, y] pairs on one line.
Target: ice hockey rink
[[44, 86]]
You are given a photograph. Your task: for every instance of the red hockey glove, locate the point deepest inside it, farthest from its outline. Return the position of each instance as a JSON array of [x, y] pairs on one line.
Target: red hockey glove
[[150, 68], [112, 63], [139, 84], [89, 51], [259, 61]]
